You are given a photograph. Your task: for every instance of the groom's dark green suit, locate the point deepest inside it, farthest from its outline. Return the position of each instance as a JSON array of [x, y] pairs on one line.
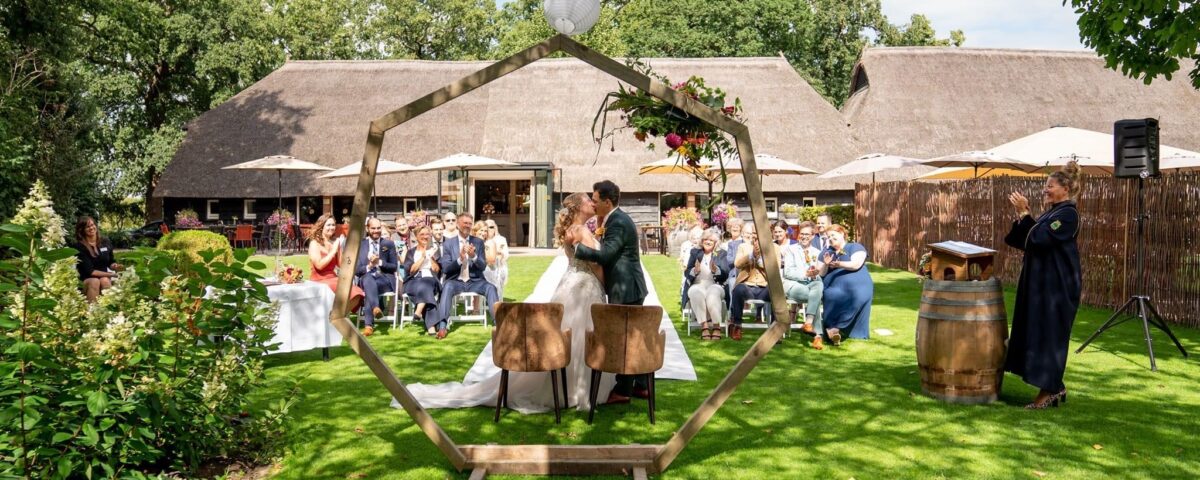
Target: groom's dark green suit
[[620, 258], [623, 279]]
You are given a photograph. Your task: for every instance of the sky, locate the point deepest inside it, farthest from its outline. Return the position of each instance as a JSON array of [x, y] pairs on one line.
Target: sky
[[1037, 24]]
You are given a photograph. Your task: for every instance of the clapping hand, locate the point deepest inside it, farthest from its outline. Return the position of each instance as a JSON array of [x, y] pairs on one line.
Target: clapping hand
[[812, 272], [1019, 202], [827, 257]]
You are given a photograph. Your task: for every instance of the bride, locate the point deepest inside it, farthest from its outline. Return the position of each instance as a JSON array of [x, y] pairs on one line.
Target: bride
[[579, 288]]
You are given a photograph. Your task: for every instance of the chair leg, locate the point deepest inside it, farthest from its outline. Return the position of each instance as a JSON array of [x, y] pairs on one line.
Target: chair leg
[[562, 375], [593, 391], [650, 400], [500, 394], [554, 388]]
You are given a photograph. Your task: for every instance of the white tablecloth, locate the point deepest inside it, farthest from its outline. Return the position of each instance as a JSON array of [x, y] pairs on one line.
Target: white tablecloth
[[303, 317]]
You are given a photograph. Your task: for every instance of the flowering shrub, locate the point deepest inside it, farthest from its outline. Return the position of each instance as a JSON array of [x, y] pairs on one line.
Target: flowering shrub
[[188, 218], [722, 212], [687, 138], [280, 217], [153, 377], [192, 243], [680, 217], [37, 213]]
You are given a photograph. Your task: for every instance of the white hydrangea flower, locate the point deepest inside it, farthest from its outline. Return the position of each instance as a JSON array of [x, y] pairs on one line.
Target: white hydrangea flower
[[37, 211]]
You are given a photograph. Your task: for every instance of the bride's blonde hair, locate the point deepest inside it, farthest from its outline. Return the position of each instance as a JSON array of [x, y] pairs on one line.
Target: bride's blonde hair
[[566, 216]]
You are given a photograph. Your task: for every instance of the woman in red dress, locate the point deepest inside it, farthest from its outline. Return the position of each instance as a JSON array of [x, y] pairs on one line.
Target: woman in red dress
[[325, 253]]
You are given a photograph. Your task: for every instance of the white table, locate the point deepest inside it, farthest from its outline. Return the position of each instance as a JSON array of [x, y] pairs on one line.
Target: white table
[[304, 317]]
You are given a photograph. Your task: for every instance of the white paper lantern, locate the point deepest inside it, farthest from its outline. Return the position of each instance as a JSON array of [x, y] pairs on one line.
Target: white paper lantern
[[572, 17]]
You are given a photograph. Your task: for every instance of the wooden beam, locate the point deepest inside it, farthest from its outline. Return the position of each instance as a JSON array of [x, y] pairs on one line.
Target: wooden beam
[[478, 474], [639, 474], [389, 380], [468, 83], [729, 384], [560, 459], [652, 86]]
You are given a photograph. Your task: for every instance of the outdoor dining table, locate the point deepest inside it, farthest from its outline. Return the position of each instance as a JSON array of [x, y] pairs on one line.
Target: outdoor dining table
[[304, 317]]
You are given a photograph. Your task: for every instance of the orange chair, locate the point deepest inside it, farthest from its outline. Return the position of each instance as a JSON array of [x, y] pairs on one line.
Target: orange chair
[[528, 338], [243, 234], [625, 340]]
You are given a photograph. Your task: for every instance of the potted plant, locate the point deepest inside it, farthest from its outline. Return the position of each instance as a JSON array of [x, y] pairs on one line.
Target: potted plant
[[790, 211]]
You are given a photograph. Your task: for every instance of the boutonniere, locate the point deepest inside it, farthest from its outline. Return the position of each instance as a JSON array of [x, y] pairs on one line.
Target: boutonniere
[[383, 248], [600, 232]]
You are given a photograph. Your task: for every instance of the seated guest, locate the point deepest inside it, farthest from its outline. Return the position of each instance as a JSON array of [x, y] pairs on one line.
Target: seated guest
[[401, 235], [325, 254], [436, 230], [779, 234], [497, 257], [848, 287], [693, 241], [450, 222], [751, 281], [706, 274], [463, 264], [96, 266], [422, 270], [802, 280], [376, 271], [734, 229]]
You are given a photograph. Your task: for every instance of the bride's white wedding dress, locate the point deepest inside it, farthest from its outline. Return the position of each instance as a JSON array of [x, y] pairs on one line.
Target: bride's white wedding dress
[[530, 392]]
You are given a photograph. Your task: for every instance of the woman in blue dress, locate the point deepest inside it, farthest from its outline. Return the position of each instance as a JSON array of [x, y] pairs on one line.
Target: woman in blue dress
[[848, 288]]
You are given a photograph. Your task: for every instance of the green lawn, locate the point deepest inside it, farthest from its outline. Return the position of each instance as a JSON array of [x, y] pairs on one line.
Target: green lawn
[[849, 412]]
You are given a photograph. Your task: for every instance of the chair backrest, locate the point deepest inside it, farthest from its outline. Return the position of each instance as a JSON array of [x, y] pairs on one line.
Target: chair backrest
[[243, 233], [626, 339], [528, 337]]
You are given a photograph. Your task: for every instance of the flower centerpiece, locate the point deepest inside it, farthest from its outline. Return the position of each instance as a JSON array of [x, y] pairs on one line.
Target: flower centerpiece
[[687, 138], [288, 273], [679, 218], [188, 218], [418, 219], [489, 208]]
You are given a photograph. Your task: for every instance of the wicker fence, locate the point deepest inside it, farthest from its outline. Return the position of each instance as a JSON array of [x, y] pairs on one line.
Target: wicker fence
[[898, 220]]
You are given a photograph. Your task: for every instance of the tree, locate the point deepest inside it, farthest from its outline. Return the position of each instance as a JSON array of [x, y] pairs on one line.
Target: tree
[[520, 24], [153, 66], [1142, 39], [432, 29], [918, 32]]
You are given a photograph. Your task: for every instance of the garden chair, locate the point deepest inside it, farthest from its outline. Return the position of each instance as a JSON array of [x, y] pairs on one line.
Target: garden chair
[[528, 338], [625, 340]]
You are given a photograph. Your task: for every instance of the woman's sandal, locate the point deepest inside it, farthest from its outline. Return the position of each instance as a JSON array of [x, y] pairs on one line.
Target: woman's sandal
[[704, 334], [716, 333]]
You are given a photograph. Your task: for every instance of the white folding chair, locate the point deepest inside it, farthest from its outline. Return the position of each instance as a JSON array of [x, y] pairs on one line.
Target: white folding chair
[[474, 309]]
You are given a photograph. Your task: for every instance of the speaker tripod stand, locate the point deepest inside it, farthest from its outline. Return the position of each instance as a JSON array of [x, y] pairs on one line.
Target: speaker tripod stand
[[1139, 305]]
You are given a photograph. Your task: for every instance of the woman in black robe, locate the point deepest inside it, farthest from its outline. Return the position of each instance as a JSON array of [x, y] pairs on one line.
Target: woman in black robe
[[1049, 289]]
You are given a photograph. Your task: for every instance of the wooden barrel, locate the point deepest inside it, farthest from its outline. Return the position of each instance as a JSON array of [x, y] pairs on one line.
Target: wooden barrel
[[961, 330]]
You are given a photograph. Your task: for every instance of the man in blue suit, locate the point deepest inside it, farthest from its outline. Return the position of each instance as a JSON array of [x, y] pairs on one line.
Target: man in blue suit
[[821, 240], [462, 266], [376, 272]]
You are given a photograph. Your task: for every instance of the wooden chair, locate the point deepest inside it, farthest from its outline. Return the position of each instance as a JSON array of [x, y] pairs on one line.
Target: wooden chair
[[625, 340], [528, 338], [243, 234]]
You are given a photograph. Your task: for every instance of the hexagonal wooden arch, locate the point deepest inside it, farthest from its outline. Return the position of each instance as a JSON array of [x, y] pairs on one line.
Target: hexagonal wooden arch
[[558, 459]]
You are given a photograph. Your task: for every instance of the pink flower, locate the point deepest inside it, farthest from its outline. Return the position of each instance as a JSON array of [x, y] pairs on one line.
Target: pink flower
[[674, 140]]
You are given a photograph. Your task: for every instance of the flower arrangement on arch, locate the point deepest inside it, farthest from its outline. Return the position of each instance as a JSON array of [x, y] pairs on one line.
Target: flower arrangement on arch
[[687, 137], [188, 218]]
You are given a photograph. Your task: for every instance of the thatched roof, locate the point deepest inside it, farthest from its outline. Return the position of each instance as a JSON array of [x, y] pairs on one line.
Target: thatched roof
[[930, 101], [319, 111]]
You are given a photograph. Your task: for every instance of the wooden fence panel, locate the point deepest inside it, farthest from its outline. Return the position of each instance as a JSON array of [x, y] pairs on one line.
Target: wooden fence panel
[[906, 216]]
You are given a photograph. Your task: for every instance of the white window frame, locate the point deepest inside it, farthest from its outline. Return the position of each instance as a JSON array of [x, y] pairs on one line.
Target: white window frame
[[209, 214], [808, 202], [410, 205], [248, 209]]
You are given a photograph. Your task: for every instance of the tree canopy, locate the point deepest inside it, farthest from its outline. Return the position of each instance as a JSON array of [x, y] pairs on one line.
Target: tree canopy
[[101, 89], [1142, 39]]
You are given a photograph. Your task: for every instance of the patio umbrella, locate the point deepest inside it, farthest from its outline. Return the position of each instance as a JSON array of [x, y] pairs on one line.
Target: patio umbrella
[[1054, 147], [461, 162], [987, 160], [384, 167], [965, 173], [871, 163], [278, 163], [769, 165], [707, 171]]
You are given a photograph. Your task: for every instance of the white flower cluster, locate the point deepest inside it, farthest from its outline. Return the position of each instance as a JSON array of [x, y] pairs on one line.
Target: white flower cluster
[[37, 212]]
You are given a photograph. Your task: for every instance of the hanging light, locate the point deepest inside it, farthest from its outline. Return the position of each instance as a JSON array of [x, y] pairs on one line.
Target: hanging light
[[572, 17]]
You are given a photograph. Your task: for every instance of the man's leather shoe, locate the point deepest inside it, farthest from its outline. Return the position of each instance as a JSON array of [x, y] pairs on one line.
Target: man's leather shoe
[[615, 397], [807, 328], [737, 333], [368, 330], [441, 334], [377, 312], [641, 393], [818, 343]]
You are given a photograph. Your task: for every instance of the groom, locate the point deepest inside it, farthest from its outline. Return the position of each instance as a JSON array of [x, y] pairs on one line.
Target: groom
[[620, 258]]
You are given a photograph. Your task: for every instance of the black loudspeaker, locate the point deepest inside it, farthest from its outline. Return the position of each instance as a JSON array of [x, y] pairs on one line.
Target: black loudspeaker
[[1135, 148]]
